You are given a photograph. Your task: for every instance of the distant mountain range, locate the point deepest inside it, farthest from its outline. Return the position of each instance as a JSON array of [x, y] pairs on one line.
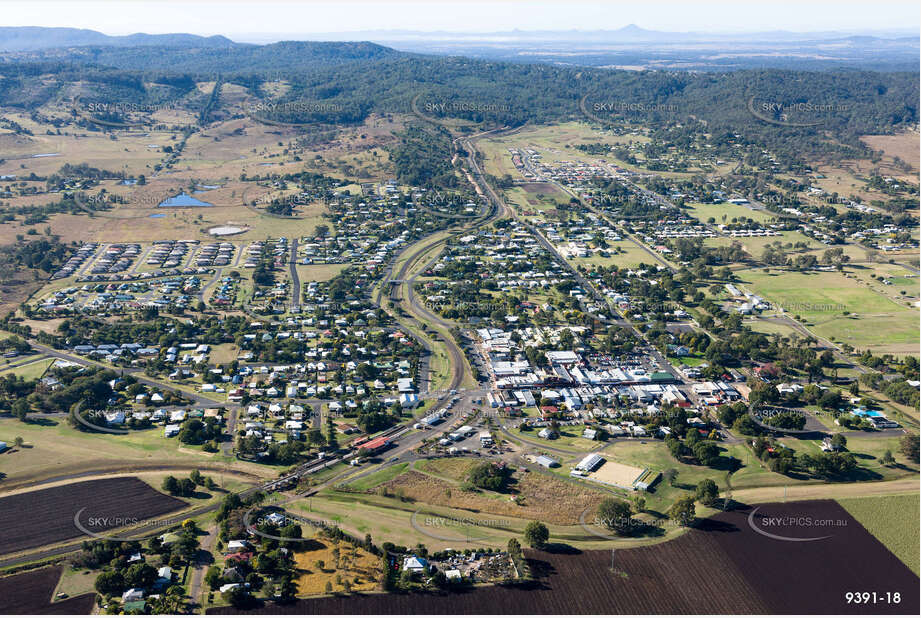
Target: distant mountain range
[[33, 38]]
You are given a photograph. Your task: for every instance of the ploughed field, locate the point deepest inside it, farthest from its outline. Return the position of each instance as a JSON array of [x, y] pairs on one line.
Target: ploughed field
[[751, 560], [30, 593], [38, 518]]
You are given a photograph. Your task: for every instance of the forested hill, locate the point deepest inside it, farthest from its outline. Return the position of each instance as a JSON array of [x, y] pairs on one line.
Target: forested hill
[[28, 38], [285, 56], [352, 80]]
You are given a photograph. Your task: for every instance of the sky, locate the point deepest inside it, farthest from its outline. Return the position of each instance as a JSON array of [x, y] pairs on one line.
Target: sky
[[265, 21]]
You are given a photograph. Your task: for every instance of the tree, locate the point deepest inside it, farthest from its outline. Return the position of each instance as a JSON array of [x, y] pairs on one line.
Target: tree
[[640, 502], [387, 574], [489, 475], [288, 589], [536, 534], [683, 511], [439, 580], [616, 515], [706, 452], [21, 409], [908, 446], [670, 475], [887, 459], [331, 439], [707, 492], [110, 582], [839, 441], [171, 485], [213, 578], [237, 597], [140, 575]]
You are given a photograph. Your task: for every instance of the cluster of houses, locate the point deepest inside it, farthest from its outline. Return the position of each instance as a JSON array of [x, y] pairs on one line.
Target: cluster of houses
[[85, 252], [116, 258], [169, 253], [134, 600], [215, 254]]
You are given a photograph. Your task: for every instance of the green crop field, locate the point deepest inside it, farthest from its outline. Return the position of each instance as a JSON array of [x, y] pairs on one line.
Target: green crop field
[[893, 520]]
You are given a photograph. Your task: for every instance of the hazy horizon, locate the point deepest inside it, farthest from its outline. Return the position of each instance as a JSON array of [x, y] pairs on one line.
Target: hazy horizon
[[321, 18]]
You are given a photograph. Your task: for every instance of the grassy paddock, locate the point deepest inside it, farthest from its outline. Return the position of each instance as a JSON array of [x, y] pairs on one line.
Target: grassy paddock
[[821, 299], [893, 520]]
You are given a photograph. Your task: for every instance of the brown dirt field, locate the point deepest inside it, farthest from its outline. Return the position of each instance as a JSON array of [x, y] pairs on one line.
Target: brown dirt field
[[724, 566], [903, 145], [46, 516], [536, 491], [30, 593]]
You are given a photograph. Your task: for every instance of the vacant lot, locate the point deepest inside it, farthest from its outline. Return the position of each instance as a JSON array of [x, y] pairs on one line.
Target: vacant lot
[[38, 518], [893, 520], [319, 272], [30, 593], [361, 568], [538, 496], [744, 572]]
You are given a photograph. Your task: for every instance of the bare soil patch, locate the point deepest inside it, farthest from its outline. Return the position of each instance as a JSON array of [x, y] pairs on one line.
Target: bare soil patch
[[46, 516]]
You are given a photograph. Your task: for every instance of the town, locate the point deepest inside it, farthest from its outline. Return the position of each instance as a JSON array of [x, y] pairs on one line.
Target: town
[[475, 345]]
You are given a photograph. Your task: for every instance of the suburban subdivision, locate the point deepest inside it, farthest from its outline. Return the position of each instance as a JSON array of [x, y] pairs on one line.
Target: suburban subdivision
[[339, 327]]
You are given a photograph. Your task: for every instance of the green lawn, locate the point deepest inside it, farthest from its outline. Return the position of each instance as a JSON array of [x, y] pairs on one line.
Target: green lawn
[[893, 520], [377, 477], [30, 371]]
